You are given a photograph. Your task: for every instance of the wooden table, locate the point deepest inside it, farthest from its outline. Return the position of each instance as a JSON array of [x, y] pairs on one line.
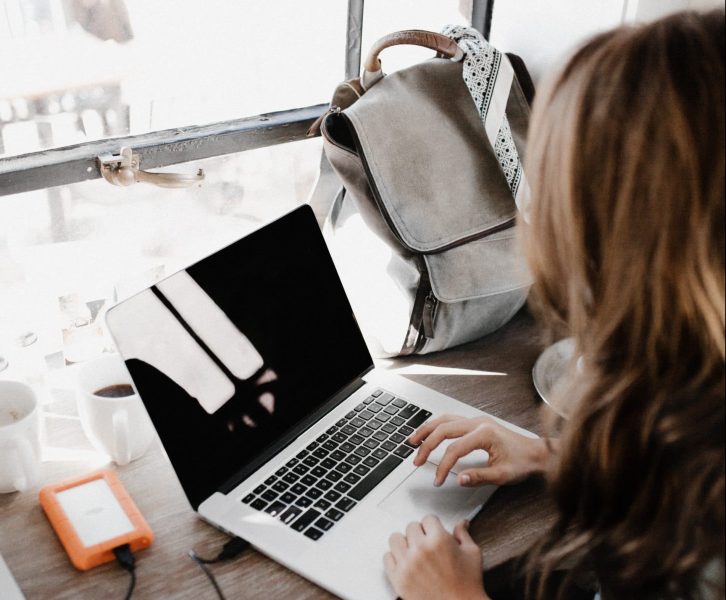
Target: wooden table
[[493, 374]]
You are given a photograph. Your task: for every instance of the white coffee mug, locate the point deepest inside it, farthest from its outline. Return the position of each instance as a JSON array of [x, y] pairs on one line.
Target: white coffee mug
[[19, 437], [118, 426]]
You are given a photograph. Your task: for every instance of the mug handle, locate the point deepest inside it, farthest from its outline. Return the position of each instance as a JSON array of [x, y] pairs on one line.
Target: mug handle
[[23, 475], [122, 451]]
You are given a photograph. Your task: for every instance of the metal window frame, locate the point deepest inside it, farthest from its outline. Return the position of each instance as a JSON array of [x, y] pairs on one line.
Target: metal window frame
[[74, 164]]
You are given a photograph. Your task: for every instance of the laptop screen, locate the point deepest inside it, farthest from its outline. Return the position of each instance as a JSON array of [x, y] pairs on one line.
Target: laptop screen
[[232, 353]]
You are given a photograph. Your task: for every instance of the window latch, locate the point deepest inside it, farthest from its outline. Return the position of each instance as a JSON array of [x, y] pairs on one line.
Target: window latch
[[123, 169]]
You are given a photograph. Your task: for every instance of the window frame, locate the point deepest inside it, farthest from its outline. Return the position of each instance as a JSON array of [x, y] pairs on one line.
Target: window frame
[[73, 164]]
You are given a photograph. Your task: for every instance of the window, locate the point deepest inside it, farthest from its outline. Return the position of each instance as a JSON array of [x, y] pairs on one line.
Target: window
[[230, 87]]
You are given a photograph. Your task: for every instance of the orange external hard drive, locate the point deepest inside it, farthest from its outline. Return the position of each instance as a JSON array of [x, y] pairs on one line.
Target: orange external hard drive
[[92, 515]]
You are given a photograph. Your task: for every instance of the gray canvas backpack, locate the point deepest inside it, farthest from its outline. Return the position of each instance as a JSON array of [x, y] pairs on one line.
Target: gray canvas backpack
[[423, 233]]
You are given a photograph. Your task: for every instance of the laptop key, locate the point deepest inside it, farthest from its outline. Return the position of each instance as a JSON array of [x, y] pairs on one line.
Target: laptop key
[[280, 486], [248, 498], [330, 445], [342, 486], [307, 480], [355, 440], [374, 424], [383, 417], [388, 445], [270, 480], [372, 462], [390, 409], [323, 504], [259, 489], [269, 495], [397, 421], [311, 446], [377, 393], [313, 534], [352, 478], [331, 430], [357, 422], [341, 423], [403, 451], [317, 472], [276, 508], [374, 477], [323, 523], [339, 437], [335, 456], [320, 453], [374, 408], [290, 514], [417, 419], [345, 504], [328, 463], [384, 399], [371, 443], [389, 428], [408, 411], [350, 415], [406, 430], [298, 488], [398, 403], [368, 400], [333, 495], [360, 407], [365, 432], [281, 471], [362, 451], [365, 415], [324, 484], [323, 437], [333, 475], [380, 436], [334, 514], [301, 469], [343, 467], [303, 501], [310, 515], [291, 463], [379, 453], [314, 493], [288, 498], [348, 430], [258, 504], [310, 461], [347, 447], [360, 470], [397, 437]]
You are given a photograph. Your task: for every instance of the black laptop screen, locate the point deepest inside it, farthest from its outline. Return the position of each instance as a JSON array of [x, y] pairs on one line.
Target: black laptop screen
[[234, 352]]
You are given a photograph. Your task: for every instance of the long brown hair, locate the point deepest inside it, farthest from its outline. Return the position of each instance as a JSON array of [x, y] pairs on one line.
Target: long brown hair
[[626, 244]]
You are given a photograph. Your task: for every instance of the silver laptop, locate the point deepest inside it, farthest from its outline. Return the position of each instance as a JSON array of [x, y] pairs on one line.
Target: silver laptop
[[281, 431]]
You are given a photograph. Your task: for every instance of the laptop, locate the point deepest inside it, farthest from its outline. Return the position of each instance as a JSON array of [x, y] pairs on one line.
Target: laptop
[[281, 431]]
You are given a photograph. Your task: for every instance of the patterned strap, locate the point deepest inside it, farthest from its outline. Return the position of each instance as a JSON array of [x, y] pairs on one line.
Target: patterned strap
[[488, 74]]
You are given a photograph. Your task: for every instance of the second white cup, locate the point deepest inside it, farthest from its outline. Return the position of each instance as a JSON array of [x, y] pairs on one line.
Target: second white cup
[[112, 415]]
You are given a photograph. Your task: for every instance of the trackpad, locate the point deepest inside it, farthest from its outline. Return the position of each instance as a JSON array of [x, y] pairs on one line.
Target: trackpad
[[416, 497]]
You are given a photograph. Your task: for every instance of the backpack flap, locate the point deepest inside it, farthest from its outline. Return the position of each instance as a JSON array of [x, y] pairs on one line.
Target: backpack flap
[[423, 145]]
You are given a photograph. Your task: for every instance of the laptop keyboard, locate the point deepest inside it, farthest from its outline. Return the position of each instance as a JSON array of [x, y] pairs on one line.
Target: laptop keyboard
[[323, 482]]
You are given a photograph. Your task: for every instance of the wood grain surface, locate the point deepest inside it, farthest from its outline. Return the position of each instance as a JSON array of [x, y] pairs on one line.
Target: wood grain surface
[[493, 374]]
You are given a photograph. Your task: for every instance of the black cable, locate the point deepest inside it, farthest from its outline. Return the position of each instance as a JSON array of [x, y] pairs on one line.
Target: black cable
[[231, 549], [126, 559]]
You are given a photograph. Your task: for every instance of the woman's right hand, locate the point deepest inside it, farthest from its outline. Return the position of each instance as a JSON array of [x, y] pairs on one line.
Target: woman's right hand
[[512, 457]]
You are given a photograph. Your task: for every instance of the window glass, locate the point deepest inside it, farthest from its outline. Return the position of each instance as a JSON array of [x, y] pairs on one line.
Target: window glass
[[77, 70], [382, 17], [67, 253]]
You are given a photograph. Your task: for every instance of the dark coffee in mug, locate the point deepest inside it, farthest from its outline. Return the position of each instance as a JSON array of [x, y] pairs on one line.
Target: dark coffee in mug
[[118, 390]]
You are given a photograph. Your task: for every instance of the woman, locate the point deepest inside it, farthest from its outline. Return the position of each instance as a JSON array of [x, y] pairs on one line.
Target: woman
[[626, 244]]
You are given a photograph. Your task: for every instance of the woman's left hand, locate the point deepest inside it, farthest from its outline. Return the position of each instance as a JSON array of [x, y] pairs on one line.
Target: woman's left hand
[[429, 562]]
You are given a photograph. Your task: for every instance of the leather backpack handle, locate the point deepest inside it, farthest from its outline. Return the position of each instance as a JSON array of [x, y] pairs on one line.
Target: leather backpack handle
[[443, 45]]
